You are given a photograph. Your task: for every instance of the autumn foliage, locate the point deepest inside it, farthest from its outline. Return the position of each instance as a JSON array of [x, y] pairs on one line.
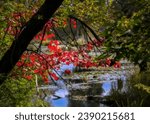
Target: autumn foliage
[[44, 62]]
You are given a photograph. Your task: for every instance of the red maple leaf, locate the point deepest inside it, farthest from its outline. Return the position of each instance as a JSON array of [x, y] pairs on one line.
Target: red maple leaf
[[67, 72]]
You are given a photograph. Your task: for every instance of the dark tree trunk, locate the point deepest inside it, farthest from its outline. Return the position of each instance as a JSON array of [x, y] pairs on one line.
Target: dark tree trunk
[[143, 66], [19, 45]]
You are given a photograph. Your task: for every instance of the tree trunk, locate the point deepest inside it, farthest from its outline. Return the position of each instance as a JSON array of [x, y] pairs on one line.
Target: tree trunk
[[19, 45], [143, 66]]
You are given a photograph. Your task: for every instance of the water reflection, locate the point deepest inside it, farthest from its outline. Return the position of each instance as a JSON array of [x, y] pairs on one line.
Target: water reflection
[[107, 86], [91, 93], [117, 85], [68, 102], [60, 102], [110, 89], [90, 97]]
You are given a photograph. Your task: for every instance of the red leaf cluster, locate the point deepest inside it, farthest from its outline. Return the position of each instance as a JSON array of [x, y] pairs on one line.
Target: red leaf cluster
[[43, 63]]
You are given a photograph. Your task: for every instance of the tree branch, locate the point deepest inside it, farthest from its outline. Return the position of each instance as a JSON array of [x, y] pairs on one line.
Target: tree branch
[[33, 26]]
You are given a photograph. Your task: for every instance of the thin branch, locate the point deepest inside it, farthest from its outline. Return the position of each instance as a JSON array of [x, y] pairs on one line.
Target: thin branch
[[44, 32], [94, 34]]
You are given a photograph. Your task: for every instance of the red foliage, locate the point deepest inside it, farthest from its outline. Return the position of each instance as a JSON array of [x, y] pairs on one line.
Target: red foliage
[[67, 72], [89, 46], [74, 23], [28, 77], [43, 63], [117, 64], [108, 61], [54, 76]]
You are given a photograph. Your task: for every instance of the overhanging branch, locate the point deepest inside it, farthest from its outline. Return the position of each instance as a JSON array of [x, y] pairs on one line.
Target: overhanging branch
[[32, 27]]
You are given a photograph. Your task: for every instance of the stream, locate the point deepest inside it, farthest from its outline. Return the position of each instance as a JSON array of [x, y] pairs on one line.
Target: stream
[[90, 88]]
